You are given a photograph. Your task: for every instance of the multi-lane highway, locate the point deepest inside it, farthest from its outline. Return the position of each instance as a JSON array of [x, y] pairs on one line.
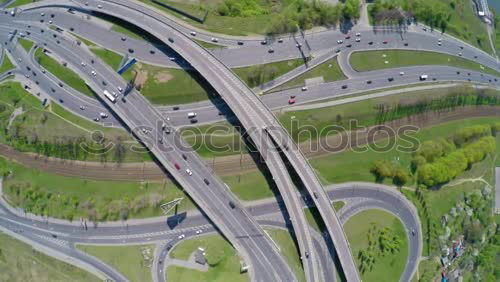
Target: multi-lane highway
[[358, 197], [253, 113], [183, 164]]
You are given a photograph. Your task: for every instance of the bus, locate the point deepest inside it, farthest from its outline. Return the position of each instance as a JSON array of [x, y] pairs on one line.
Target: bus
[[109, 96]]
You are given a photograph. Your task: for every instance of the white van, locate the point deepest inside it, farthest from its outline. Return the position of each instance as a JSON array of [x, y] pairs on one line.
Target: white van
[[191, 115]]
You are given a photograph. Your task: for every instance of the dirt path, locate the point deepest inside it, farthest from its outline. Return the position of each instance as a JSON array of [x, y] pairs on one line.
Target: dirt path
[[228, 165]]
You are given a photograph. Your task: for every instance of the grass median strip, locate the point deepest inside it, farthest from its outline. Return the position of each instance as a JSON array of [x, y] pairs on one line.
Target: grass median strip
[[329, 70], [63, 73], [385, 59], [6, 64], [26, 44], [259, 74]]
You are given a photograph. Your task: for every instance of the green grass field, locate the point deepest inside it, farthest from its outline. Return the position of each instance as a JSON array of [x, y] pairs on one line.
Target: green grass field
[[388, 266], [168, 86], [46, 131], [214, 22], [70, 197], [18, 3], [131, 261], [109, 57], [288, 249], [20, 262], [353, 166], [466, 25], [65, 74], [26, 44], [329, 70], [258, 74], [6, 64], [222, 259], [374, 60]]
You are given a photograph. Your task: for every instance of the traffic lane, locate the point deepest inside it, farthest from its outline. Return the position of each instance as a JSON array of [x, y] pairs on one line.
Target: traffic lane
[[63, 249], [81, 25], [318, 41], [235, 222], [65, 95]]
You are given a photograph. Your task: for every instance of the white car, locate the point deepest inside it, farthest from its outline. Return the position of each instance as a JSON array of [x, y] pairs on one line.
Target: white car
[[82, 107], [439, 44], [103, 115], [120, 89], [99, 6], [358, 34], [358, 39], [198, 231], [340, 41], [460, 54], [214, 39], [182, 236], [93, 73], [83, 64], [304, 88], [193, 33], [402, 73], [189, 172]]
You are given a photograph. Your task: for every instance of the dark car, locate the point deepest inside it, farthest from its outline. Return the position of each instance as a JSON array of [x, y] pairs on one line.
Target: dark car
[[390, 79], [184, 157], [232, 205], [349, 45], [406, 44], [175, 108], [193, 120], [370, 43], [344, 86], [369, 82], [171, 40], [240, 43], [206, 181]]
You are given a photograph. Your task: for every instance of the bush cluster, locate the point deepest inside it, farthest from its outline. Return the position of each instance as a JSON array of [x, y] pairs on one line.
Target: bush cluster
[[448, 167]]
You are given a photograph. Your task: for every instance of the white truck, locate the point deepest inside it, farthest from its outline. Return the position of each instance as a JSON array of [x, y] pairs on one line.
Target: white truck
[[191, 115], [109, 96]]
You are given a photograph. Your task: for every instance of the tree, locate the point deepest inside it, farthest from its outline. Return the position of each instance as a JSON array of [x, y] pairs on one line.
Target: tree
[[351, 9], [382, 169], [400, 177]]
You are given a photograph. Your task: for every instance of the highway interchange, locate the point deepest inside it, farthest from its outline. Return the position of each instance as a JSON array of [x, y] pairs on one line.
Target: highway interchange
[[143, 113]]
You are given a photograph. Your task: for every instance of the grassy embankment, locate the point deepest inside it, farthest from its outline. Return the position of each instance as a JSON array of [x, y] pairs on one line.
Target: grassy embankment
[[131, 261], [20, 262], [385, 59]]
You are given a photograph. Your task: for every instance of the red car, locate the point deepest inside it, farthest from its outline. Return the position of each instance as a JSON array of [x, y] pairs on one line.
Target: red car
[[291, 101], [385, 42], [177, 166], [348, 37]]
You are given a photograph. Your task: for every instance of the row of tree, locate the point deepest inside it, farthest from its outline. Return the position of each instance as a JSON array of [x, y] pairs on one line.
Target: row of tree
[[448, 167], [433, 13], [307, 14], [450, 102], [383, 169]]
